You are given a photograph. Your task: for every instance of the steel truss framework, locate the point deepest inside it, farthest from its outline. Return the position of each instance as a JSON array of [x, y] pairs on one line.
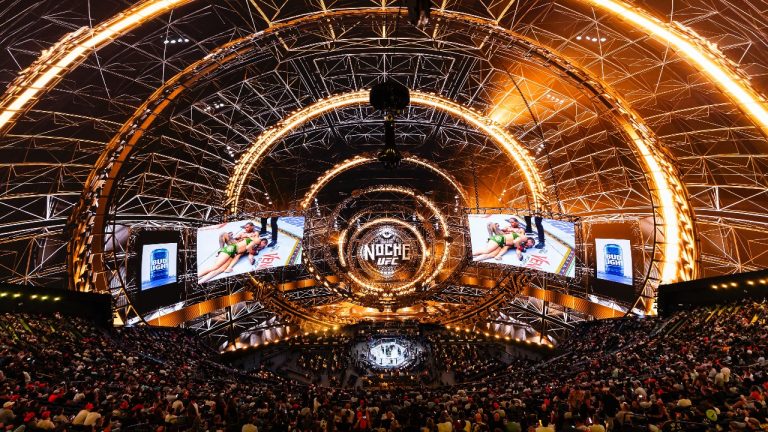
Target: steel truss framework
[[669, 202], [243, 324], [177, 173]]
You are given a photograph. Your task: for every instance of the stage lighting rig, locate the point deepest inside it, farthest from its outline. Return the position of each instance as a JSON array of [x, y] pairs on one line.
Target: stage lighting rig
[[391, 97]]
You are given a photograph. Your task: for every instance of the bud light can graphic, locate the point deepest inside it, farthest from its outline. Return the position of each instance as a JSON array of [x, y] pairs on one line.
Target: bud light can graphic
[[158, 266], [614, 260]]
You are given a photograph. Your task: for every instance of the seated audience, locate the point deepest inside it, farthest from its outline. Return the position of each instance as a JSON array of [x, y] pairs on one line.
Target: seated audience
[[703, 369]]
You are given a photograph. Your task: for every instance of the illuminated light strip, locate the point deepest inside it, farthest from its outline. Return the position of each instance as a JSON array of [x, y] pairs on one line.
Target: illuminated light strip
[[340, 245], [264, 142], [671, 199], [706, 58], [398, 289], [668, 194], [69, 52], [365, 159]]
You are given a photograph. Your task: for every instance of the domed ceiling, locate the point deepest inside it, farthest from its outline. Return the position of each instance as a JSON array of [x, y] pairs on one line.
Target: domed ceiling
[[173, 114]]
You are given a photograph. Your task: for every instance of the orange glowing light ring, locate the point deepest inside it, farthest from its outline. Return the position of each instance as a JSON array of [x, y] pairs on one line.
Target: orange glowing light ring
[[69, 52], [359, 214], [73, 47], [400, 289], [360, 160], [442, 226], [23, 92], [267, 139]]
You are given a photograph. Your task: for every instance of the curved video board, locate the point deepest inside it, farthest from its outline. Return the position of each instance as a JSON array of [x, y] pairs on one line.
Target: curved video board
[[245, 246], [532, 242]]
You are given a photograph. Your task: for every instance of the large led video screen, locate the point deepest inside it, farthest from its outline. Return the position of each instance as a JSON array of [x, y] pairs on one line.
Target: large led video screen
[[536, 243], [158, 265], [614, 260], [245, 246]]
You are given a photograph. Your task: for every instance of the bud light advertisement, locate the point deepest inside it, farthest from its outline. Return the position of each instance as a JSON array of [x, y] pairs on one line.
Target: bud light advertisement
[[158, 265], [614, 260]]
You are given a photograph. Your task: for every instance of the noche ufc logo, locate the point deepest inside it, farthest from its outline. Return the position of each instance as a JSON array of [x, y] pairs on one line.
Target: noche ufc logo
[[387, 253]]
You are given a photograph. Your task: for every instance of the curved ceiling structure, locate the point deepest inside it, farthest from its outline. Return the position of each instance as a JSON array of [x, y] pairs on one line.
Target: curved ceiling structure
[[181, 113]]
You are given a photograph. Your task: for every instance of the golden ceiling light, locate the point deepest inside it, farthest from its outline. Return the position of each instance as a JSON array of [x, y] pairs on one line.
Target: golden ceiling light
[[71, 49], [66, 54], [69, 52], [366, 159], [707, 59], [672, 204], [264, 142]]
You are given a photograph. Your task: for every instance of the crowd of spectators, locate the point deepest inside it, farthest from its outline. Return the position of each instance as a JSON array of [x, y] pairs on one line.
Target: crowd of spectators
[[331, 361], [467, 359], [704, 371]]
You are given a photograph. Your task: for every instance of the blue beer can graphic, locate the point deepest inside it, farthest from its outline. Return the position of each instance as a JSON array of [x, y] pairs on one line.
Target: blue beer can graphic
[[614, 260], [159, 265]]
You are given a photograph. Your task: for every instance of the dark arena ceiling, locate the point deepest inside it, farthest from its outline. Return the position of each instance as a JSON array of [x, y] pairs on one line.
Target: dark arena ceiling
[[120, 117]]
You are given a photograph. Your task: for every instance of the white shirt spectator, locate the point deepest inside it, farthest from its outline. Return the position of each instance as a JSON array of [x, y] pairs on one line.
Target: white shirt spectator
[[177, 405], [91, 419], [726, 371], [46, 424], [80, 417], [719, 379]]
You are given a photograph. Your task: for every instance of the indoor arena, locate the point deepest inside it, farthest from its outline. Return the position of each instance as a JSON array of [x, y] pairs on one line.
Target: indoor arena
[[383, 215]]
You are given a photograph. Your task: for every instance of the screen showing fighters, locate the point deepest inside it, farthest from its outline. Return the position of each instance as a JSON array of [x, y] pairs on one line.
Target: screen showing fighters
[[245, 246], [524, 241], [158, 265], [614, 260]]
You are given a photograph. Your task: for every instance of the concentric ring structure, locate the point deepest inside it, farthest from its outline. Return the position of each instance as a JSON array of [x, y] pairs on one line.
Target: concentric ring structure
[[157, 116], [442, 231], [670, 199], [404, 287], [361, 160]]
